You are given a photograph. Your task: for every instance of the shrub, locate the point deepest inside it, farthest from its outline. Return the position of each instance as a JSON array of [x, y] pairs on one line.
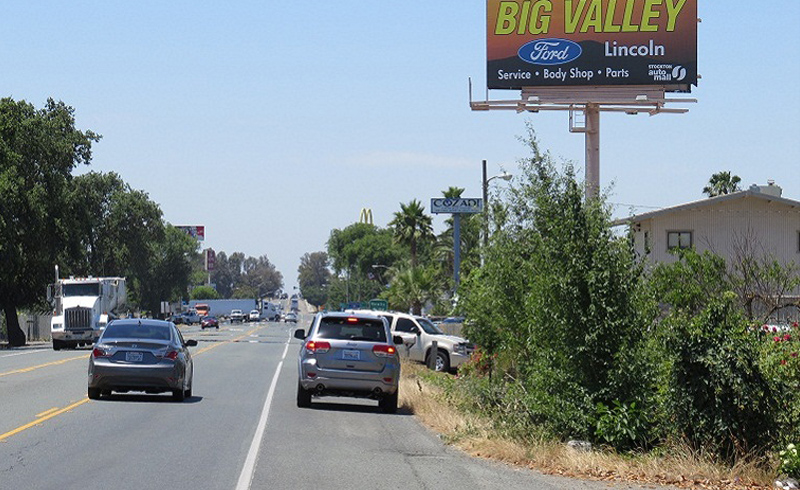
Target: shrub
[[790, 461], [780, 360], [624, 426], [719, 397]]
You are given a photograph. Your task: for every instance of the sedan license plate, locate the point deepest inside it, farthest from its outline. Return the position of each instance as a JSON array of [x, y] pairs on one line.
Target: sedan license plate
[[351, 355], [134, 356]]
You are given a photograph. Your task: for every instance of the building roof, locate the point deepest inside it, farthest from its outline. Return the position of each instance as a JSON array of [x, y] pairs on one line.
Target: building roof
[[711, 201]]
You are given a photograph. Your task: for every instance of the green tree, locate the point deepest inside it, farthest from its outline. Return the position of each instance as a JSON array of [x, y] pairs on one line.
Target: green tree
[[169, 267], [359, 246], [227, 272], [575, 309], [412, 227], [39, 148], [118, 231], [260, 276], [353, 251], [92, 199], [204, 292], [314, 277], [722, 183]]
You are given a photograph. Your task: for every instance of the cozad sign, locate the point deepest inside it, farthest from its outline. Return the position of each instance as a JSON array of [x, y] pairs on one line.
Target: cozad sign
[[591, 43]]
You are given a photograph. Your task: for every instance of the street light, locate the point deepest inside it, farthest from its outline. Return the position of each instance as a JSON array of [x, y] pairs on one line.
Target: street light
[[505, 176]]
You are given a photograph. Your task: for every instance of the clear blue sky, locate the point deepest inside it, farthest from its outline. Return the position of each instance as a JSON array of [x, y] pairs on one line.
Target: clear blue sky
[[273, 122]]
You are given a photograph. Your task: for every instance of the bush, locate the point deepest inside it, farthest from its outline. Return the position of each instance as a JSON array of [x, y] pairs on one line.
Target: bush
[[720, 399], [780, 360], [624, 426], [559, 303], [790, 461]]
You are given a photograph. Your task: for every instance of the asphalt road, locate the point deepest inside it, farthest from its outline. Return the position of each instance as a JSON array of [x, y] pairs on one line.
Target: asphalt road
[[240, 430]]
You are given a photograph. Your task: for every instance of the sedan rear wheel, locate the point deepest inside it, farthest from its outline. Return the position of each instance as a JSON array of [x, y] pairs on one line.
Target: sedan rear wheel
[[94, 393], [303, 396], [178, 395]]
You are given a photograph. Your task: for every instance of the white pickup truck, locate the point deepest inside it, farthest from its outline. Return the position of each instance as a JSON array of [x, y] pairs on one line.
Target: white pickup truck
[[237, 316], [418, 334]]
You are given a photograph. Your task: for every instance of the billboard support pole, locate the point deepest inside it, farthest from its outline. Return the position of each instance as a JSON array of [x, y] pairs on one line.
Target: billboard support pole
[[592, 137], [589, 102]]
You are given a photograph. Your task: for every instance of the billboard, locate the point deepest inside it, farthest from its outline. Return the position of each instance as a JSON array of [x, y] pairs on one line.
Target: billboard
[[198, 232], [563, 43]]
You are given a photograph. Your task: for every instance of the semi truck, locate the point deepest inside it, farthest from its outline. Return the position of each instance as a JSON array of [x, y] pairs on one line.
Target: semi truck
[[82, 307]]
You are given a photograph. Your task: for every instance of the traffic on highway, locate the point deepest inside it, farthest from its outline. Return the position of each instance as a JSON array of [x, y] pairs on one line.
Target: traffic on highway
[[240, 426]]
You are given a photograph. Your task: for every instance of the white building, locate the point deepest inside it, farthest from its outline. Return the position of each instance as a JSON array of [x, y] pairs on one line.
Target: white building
[[757, 222]]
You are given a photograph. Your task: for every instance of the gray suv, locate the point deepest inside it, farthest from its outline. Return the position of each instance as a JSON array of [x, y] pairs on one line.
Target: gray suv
[[350, 355]]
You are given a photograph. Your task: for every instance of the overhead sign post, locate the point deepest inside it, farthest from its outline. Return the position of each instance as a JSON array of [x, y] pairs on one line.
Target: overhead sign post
[[456, 207], [590, 56]]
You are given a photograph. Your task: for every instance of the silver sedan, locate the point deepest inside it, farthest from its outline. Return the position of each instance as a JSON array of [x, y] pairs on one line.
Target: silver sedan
[[141, 355]]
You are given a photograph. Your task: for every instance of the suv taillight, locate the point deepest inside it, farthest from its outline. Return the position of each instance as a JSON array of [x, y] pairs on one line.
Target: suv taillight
[[317, 346], [384, 350]]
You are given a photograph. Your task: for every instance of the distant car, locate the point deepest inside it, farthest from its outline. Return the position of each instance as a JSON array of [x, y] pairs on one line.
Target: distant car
[[351, 355], [190, 317], [141, 355], [209, 322], [255, 316], [176, 319], [290, 317], [237, 316]]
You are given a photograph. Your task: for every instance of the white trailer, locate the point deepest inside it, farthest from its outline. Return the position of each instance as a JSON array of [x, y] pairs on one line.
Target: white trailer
[[82, 307]]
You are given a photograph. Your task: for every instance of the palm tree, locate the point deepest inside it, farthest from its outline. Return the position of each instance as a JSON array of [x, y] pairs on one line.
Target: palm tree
[[412, 226], [413, 287], [722, 183]]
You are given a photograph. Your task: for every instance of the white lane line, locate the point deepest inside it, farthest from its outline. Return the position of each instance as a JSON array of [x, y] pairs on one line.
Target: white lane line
[[26, 352], [246, 477]]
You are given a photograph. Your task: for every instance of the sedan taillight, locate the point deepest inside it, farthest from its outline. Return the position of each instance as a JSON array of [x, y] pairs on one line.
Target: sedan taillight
[[317, 346], [98, 352], [172, 355], [384, 350]]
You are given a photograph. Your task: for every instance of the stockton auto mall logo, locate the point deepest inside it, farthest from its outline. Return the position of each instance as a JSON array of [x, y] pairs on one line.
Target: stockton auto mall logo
[[666, 73]]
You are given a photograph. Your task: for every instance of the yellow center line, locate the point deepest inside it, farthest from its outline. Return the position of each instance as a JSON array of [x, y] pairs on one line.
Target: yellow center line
[[5, 436], [47, 412], [34, 368], [53, 412], [214, 346]]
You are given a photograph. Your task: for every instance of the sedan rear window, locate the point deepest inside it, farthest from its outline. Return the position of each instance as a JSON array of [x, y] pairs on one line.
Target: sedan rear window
[[352, 329], [136, 331]]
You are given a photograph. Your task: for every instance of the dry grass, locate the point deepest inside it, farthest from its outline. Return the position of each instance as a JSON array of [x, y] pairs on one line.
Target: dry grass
[[680, 467]]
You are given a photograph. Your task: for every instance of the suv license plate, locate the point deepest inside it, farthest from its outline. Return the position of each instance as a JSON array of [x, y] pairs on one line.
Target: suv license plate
[[133, 356], [351, 355]]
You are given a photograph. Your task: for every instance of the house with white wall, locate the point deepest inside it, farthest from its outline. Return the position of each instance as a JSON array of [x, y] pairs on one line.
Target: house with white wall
[[757, 221]]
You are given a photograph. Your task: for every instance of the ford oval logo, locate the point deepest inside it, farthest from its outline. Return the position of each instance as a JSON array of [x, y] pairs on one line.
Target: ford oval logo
[[550, 51]]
